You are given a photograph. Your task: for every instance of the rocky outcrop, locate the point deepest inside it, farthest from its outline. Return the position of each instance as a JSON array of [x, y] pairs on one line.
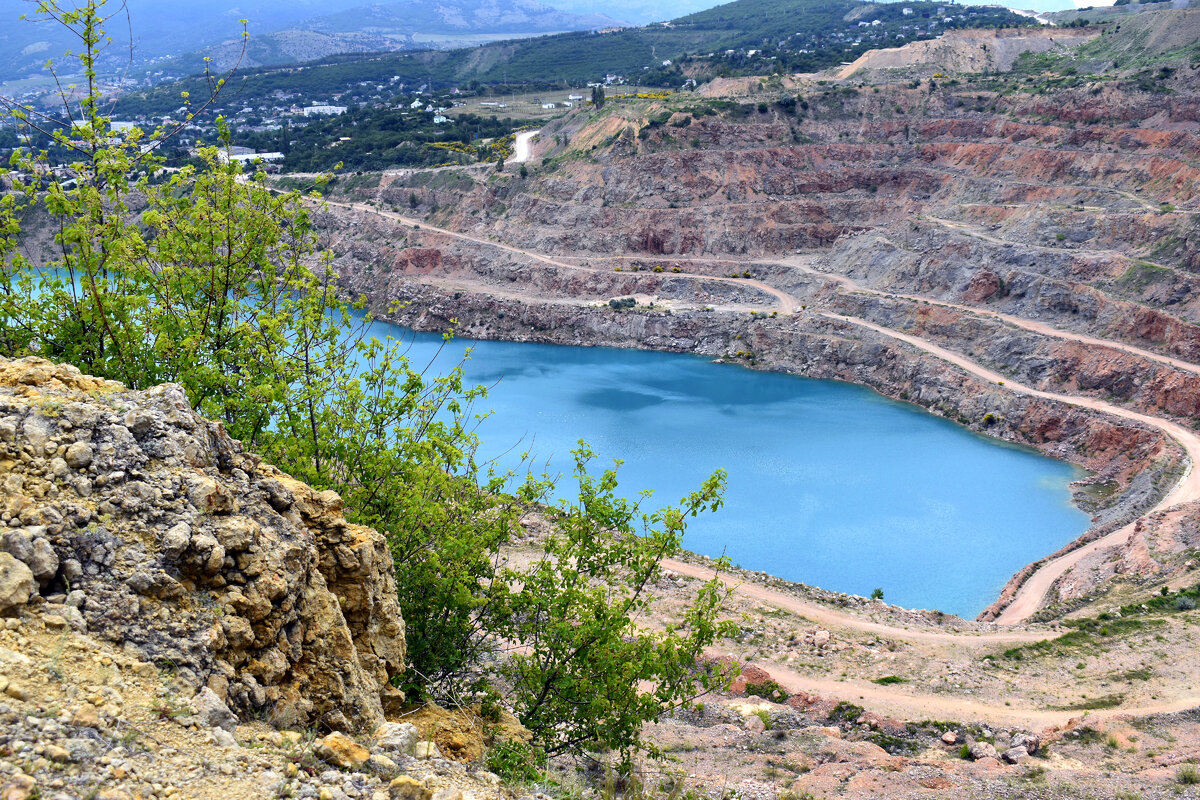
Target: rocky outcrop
[[147, 525]]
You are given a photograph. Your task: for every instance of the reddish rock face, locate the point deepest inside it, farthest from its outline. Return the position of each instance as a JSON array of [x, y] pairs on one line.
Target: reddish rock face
[[983, 286]]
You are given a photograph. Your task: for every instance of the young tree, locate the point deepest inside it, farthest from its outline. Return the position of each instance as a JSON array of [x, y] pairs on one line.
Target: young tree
[[579, 618]]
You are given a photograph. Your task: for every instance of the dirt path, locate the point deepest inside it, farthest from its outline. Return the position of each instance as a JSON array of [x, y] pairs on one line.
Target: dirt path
[[523, 147], [908, 701], [912, 704], [1030, 325], [975, 232], [824, 615], [786, 303], [1029, 597]]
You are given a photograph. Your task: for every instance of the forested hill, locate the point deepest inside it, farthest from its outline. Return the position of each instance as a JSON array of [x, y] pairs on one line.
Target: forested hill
[[742, 37]]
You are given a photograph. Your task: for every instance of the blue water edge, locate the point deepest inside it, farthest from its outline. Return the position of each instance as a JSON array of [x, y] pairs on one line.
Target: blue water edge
[[830, 484]]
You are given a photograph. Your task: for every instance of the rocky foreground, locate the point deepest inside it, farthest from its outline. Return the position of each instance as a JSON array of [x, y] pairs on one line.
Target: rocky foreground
[[183, 620]]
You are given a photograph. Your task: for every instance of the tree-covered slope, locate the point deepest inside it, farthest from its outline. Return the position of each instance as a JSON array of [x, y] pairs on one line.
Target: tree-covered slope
[[791, 35]]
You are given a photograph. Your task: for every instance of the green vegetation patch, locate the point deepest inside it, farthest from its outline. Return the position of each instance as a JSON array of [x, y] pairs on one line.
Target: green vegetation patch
[[888, 680], [1094, 703]]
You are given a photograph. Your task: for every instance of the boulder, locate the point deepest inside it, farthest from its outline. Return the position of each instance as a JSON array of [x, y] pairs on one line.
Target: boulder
[[212, 712], [43, 561], [79, 455], [397, 737], [16, 583], [1014, 755], [407, 788], [340, 750], [1030, 741], [949, 737], [983, 750]]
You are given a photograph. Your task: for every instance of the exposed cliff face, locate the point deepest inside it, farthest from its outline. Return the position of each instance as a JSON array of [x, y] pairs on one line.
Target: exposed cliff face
[[192, 553]]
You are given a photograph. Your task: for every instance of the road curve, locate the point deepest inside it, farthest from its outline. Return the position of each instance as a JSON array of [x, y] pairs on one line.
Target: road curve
[[824, 615], [909, 702], [1187, 489], [1030, 325], [523, 147]]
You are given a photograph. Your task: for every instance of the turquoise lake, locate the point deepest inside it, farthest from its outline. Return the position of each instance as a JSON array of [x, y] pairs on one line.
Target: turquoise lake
[[829, 484]]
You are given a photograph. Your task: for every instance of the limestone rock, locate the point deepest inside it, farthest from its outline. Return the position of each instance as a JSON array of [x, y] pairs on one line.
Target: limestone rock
[[19, 787], [423, 750], [397, 737], [1030, 741], [755, 724], [79, 455], [191, 551], [407, 788], [949, 737], [340, 750], [212, 712], [43, 561], [223, 738], [16, 583], [982, 750], [1013, 755]]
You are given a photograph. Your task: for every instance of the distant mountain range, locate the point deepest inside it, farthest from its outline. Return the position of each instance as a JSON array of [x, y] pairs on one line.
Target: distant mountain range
[[177, 35]]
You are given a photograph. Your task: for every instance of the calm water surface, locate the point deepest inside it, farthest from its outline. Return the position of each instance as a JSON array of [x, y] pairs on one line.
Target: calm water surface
[[830, 484]]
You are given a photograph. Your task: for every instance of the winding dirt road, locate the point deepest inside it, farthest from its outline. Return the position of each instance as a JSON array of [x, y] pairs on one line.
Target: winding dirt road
[[523, 147], [909, 701], [786, 303]]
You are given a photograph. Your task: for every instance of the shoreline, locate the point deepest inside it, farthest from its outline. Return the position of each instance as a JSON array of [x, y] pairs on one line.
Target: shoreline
[[430, 314]]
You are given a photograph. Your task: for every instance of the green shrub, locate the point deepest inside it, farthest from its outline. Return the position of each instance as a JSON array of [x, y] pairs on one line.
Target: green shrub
[[514, 762], [768, 690]]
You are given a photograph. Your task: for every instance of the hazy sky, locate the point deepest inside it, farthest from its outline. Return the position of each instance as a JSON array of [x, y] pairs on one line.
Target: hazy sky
[[641, 11]]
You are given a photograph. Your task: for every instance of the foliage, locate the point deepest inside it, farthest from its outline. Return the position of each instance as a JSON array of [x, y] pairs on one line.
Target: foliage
[[768, 690], [888, 680], [515, 762], [208, 278], [584, 654]]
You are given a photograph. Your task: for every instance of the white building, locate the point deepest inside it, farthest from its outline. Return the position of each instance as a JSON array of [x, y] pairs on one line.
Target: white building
[[249, 158], [324, 111]]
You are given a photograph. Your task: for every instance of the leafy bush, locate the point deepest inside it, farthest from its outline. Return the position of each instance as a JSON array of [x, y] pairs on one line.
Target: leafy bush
[[768, 690], [515, 762]]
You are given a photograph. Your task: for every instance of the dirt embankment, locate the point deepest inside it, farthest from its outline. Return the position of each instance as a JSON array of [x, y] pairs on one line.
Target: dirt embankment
[[967, 51]]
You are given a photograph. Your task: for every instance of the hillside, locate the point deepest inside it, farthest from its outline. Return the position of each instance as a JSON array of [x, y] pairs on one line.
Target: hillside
[[738, 38], [408, 25], [175, 37]]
